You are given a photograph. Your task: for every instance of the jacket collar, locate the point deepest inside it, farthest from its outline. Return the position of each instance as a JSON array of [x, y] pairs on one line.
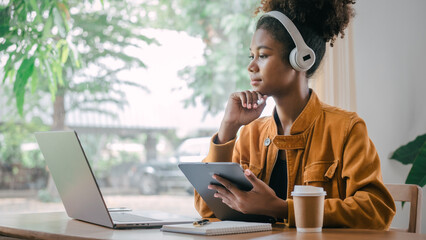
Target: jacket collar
[[308, 115], [297, 137]]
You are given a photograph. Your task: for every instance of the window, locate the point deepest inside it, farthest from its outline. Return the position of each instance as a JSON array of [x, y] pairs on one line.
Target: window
[[137, 80]]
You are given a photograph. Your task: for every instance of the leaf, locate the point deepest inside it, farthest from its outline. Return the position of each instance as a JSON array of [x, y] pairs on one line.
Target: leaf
[[48, 27], [41, 58], [406, 154], [24, 72], [34, 81], [11, 74], [57, 70], [65, 51], [5, 45], [7, 69], [34, 6], [52, 82], [59, 23], [417, 174], [65, 13], [4, 29], [74, 55], [22, 13]]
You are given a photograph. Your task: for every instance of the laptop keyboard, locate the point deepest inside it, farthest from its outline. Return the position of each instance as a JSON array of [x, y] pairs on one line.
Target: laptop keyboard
[[128, 217]]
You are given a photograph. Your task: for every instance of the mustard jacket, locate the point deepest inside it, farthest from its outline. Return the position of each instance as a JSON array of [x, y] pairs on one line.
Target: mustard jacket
[[327, 147]]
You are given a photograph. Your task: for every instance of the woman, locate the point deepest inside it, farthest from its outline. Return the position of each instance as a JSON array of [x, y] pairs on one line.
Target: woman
[[304, 142]]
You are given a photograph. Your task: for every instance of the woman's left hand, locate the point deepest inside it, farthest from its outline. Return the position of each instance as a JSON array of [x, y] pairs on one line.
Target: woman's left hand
[[261, 199]]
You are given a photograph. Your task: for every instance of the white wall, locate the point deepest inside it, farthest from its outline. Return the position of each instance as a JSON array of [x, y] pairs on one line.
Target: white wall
[[390, 64]]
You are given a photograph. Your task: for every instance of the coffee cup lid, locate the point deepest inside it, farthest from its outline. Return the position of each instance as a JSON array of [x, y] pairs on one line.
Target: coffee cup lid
[[305, 190]]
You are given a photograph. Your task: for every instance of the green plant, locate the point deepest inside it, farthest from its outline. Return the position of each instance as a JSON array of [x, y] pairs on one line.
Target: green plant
[[63, 47], [414, 153]]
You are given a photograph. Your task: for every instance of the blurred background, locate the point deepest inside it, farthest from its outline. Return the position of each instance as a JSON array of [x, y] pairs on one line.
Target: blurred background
[[144, 83]]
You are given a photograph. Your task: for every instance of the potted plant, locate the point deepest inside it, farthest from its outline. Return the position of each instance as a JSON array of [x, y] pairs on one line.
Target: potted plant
[[414, 153]]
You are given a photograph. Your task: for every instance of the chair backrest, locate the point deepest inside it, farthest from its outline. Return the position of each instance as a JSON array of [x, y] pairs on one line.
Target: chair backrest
[[409, 193]]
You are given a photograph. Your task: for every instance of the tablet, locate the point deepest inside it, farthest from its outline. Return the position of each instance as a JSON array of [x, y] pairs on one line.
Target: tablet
[[200, 176]]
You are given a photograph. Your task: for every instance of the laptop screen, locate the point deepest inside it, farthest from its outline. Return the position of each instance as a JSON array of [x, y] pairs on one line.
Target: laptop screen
[[73, 176]]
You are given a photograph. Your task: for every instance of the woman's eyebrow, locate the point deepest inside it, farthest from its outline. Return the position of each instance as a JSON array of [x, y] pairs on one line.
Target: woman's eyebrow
[[262, 46]]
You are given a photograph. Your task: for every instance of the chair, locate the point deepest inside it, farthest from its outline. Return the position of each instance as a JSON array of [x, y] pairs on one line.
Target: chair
[[409, 193]]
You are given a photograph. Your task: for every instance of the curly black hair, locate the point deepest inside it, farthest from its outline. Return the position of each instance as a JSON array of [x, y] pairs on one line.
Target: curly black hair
[[319, 21]]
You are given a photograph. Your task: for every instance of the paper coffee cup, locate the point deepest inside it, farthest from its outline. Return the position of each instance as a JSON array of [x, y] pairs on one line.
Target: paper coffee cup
[[308, 208]]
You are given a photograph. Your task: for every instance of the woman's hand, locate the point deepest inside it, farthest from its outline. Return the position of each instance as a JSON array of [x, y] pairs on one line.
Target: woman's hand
[[242, 108], [261, 200]]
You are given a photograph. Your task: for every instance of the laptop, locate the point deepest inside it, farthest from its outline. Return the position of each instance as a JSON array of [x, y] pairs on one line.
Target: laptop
[[79, 190]]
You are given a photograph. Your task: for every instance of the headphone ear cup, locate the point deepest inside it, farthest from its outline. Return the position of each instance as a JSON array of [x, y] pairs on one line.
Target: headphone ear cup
[[293, 60], [300, 64]]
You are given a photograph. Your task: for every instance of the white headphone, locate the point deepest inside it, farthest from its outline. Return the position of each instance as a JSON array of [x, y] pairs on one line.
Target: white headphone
[[302, 57]]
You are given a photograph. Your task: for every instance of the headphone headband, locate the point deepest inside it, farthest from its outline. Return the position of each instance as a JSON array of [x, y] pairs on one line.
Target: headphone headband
[[302, 57]]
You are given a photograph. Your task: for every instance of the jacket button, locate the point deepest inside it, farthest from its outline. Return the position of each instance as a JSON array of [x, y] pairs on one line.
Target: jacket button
[[267, 142]]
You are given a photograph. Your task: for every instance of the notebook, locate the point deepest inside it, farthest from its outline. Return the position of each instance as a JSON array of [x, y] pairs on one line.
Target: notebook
[[79, 190], [218, 228]]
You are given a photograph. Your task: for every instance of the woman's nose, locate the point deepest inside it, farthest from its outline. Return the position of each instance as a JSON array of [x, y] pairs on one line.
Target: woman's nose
[[252, 67]]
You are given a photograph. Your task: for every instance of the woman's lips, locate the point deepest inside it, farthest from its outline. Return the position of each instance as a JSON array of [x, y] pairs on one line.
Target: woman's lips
[[255, 82]]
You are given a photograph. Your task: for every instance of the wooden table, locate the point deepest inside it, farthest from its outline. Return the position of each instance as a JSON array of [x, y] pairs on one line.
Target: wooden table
[[57, 225]]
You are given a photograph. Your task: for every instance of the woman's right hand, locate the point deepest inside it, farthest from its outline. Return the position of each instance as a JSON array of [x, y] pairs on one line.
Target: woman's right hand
[[242, 108]]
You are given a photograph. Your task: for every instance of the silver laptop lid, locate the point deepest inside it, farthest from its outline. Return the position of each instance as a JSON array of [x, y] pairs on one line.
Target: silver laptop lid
[[73, 177]]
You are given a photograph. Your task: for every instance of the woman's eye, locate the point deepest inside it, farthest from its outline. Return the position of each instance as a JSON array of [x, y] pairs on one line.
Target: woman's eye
[[261, 56]]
